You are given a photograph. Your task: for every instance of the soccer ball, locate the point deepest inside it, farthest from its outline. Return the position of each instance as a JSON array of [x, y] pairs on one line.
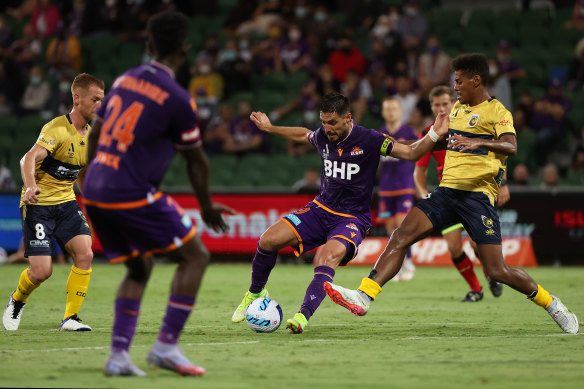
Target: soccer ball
[[264, 315]]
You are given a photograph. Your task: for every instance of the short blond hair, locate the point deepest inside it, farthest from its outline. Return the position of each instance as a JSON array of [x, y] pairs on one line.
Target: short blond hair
[[85, 80]]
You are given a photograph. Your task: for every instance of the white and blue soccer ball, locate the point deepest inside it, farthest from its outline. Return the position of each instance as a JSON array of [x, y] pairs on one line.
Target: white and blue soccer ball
[[264, 315]]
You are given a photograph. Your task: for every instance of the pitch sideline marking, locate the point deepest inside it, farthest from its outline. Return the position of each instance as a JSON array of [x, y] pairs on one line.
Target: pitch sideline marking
[[299, 341]]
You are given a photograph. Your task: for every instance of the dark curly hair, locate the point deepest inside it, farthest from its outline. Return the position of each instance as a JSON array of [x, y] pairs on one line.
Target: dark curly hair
[[472, 64], [167, 32]]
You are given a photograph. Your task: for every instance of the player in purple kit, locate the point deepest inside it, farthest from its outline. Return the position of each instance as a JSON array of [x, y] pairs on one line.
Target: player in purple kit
[[396, 180], [339, 217], [145, 118]]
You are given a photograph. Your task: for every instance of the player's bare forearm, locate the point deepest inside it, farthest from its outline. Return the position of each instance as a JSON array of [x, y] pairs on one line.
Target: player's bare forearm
[[296, 134], [414, 151], [81, 178], [506, 145], [92, 139], [198, 173], [420, 181]]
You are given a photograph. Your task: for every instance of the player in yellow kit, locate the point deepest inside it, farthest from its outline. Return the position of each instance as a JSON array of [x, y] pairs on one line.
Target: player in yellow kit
[[481, 137], [49, 209]]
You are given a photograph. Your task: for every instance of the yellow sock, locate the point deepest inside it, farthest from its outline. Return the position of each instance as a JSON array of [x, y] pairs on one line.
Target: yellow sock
[[369, 287], [25, 287], [77, 285], [542, 298]]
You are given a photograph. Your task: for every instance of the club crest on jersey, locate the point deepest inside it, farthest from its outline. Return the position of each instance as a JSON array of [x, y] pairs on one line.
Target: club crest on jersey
[[474, 119], [357, 151], [352, 226]]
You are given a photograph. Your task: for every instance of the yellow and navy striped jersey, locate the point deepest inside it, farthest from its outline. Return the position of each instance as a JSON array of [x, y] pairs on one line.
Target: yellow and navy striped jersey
[[56, 174], [477, 170]]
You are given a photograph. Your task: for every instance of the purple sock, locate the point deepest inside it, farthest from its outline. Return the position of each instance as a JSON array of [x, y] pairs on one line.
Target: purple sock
[[315, 292], [125, 318], [263, 263], [177, 312]]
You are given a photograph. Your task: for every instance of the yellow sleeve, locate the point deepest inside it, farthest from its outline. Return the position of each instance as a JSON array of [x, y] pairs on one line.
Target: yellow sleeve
[[504, 124], [49, 137]]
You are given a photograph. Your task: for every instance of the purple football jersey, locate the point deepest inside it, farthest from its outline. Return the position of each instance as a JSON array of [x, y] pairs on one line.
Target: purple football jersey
[[349, 169], [145, 116], [396, 173]]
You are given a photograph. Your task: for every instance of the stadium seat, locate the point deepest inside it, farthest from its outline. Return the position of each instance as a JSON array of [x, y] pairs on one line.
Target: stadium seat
[[482, 18]]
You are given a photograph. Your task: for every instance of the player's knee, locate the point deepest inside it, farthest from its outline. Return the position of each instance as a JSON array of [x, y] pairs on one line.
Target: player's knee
[[139, 270], [496, 273], [40, 273], [83, 259], [400, 239], [268, 242]]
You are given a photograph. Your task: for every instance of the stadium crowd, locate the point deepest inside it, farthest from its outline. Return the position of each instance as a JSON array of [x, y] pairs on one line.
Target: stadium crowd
[[282, 56]]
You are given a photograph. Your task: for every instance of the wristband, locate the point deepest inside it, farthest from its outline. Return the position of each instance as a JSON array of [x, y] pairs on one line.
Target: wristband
[[432, 134]]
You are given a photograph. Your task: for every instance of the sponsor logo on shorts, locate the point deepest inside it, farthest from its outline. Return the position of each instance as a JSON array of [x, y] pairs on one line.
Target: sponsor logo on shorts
[[294, 219], [39, 243], [357, 151], [352, 226], [488, 222], [302, 210], [408, 204], [474, 119]]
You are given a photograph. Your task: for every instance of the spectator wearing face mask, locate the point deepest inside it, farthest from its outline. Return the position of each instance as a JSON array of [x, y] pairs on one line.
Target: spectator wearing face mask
[[512, 69], [61, 100], [346, 56], [413, 26], [294, 51], [499, 85], [236, 71], [433, 66], [37, 92]]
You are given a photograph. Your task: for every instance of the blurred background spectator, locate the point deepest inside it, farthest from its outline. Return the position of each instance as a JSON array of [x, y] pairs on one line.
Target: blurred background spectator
[[282, 56], [37, 93], [309, 183]]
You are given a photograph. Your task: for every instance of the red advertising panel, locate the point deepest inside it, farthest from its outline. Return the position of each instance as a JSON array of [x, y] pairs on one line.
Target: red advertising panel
[[518, 251], [256, 212]]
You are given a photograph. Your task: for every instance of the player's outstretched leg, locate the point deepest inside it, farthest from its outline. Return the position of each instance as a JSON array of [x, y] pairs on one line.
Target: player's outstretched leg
[[355, 301], [314, 295], [519, 280], [262, 264]]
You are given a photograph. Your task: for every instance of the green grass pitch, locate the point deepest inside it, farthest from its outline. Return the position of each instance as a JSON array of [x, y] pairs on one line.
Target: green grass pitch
[[416, 335]]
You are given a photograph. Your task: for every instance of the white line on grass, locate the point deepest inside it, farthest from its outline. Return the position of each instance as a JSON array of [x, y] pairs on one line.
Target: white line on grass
[[409, 338]]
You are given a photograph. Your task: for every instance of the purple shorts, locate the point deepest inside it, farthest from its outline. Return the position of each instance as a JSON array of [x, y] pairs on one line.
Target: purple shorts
[[315, 224], [126, 231], [389, 206]]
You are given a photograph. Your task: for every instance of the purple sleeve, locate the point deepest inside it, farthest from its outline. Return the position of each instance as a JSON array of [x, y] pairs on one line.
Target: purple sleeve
[[185, 127]]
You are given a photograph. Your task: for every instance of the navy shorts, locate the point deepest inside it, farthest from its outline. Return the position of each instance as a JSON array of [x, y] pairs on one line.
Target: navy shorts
[[315, 224], [43, 224], [446, 207]]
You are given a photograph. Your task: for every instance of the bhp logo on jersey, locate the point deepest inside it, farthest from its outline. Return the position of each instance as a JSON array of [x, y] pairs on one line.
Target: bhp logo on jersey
[[342, 170]]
